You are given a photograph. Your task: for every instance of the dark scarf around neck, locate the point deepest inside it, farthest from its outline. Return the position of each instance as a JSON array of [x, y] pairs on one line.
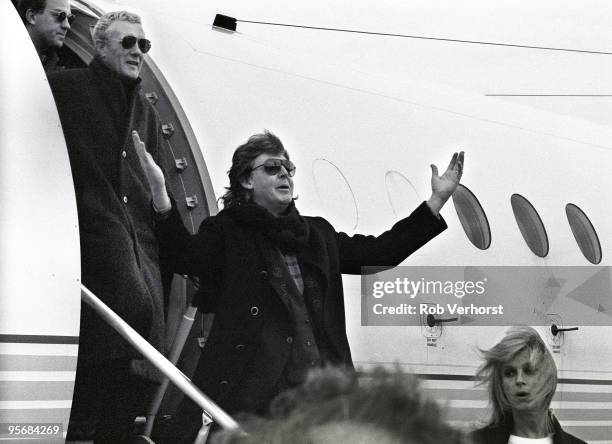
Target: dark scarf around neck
[[289, 231], [107, 74]]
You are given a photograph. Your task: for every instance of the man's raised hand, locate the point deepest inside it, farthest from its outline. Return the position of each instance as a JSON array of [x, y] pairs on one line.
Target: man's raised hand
[[443, 187], [154, 175]]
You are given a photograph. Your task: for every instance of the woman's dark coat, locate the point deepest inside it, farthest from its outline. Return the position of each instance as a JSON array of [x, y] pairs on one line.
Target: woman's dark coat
[[500, 434], [251, 337]]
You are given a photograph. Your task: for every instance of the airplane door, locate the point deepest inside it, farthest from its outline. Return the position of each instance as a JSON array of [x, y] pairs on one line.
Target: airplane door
[[39, 244]]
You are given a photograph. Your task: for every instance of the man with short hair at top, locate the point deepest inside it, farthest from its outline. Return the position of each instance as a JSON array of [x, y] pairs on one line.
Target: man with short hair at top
[[101, 107], [47, 22]]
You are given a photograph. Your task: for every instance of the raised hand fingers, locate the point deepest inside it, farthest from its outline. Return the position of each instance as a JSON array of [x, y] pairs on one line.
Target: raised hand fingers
[[434, 170], [459, 165], [453, 162], [154, 175], [456, 164], [139, 145]]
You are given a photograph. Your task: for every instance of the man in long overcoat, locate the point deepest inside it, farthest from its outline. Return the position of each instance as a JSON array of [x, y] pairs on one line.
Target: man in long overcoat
[[100, 107], [273, 277]]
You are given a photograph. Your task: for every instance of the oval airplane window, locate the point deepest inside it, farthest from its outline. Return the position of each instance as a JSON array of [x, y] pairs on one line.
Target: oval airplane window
[[530, 224], [472, 217], [402, 195], [336, 195], [584, 233]]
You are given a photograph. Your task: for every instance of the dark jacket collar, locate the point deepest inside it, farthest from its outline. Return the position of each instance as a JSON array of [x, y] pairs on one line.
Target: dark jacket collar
[[104, 72], [119, 94], [299, 236], [50, 60], [289, 231], [501, 433]]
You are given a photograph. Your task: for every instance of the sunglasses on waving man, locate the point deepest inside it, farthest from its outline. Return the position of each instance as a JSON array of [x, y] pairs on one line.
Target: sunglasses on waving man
[[272, 167], [129, 41]]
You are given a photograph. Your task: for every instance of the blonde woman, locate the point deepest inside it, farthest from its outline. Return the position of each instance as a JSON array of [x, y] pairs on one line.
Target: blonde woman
[[522, 378]]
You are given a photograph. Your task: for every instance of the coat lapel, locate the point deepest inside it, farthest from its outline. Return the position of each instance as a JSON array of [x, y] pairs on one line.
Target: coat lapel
[[316, 260], [113, 95]]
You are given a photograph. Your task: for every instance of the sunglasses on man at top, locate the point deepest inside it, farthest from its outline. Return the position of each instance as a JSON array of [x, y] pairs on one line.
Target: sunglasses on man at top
[[129, 41]]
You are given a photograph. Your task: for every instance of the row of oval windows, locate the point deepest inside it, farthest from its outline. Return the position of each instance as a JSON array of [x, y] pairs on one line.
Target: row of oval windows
[[476, 226], [471, 214]]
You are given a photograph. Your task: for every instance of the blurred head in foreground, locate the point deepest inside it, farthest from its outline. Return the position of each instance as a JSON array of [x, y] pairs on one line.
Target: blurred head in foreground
[[335, 406]]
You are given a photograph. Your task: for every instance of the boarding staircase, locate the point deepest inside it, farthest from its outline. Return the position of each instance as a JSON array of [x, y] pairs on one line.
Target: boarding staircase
[[211, 412]]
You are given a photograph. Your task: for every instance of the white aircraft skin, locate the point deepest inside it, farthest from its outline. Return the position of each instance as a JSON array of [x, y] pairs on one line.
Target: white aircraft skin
[[40, 271], [362, 144]]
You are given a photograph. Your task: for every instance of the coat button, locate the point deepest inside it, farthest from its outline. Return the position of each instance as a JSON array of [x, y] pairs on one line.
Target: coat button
[[308, 343], [264, 275], [123, 154], [224, 382], [125, 199], [254, 310], [289, 340], [310, 283], [240, 347]]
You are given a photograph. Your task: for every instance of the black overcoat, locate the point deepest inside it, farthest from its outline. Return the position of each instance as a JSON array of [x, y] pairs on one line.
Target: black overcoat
[[499, 434], [119, 250], [250, 339]]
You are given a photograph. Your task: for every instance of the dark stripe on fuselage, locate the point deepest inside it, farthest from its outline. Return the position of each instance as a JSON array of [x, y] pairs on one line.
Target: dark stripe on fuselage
[[434, 377], [584, 381], [443, 377], [39, 339]]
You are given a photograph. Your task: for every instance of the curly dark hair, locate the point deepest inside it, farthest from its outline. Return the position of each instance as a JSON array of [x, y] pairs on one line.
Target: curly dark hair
[[264, 143]]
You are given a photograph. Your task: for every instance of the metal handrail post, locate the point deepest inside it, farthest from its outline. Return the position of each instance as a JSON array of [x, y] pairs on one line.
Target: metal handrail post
[[210, 408], [204, 431], [175, 353]]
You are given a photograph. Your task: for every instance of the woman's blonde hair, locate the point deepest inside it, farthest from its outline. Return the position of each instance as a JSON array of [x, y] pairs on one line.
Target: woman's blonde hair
[[516, 341]]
